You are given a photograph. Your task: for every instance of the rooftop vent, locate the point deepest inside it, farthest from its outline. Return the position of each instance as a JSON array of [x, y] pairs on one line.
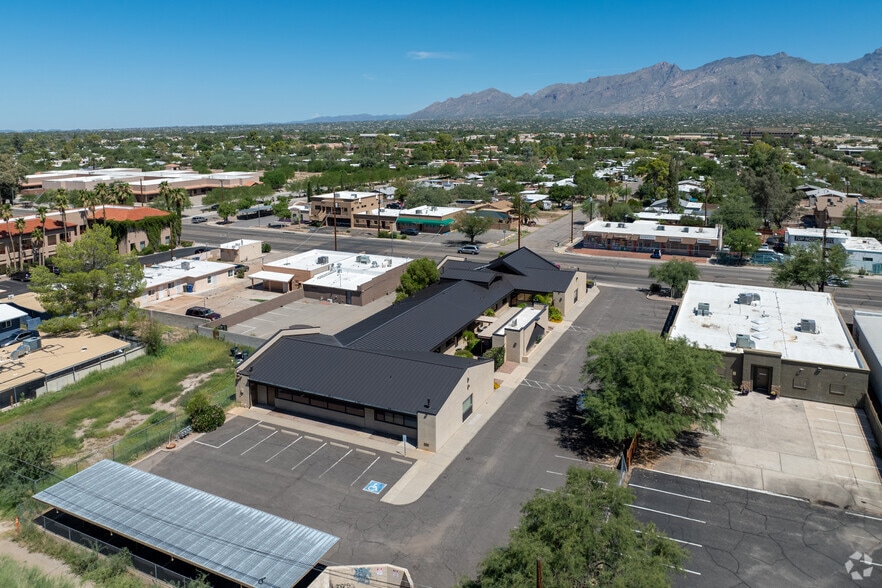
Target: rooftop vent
[[608, 224], [744, 342], [748, 297], [703, 309], [323, 259], [621, 225], [685, 229], [808, 326], [661, 227]]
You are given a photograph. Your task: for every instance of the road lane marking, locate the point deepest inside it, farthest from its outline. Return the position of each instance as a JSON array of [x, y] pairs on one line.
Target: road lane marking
[[335, 463], [670, 514], [258, 443], [308, 456], [554, 473], [230, 439], [364, 472], [669, 493], [863, 516], [279, 452], [570, 458]]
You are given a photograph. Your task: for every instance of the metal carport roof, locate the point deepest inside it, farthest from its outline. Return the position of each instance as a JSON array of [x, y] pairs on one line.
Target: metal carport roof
[[238, 542]]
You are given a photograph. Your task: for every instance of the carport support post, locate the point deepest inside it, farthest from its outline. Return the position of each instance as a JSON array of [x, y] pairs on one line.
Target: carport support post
[[404, 441]]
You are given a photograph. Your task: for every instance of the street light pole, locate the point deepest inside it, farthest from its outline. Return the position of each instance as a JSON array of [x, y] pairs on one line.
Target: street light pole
[[379, 203], [335, 220]]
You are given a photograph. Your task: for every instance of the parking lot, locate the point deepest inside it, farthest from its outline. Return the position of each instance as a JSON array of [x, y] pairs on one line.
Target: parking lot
[[740, 537], [302, 456]]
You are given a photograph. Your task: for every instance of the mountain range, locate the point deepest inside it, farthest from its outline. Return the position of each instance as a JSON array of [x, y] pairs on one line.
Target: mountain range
[[756, 84]]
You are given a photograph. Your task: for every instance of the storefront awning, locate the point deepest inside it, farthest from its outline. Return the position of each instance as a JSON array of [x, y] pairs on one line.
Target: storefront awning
[[424, 221]]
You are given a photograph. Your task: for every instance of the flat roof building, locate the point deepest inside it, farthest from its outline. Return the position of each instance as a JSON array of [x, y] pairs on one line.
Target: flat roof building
[[644, 236], [791, 342]]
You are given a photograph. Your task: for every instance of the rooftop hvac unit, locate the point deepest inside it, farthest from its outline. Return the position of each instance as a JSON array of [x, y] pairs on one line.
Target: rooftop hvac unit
[[661, 227], [748, 297], [323, 259], [744, 342], [621, 225], [185, 265], [703, 309], [375, 264], [808, 326], [362, 259], [608, 225]]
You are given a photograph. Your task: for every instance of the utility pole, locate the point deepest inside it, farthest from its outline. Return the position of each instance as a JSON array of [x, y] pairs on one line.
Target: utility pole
[[379, 206], [520, 220], [538, 572], [335, 221]]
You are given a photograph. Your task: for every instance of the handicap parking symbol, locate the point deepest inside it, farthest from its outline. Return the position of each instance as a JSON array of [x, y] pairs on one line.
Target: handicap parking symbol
[[374, 487]]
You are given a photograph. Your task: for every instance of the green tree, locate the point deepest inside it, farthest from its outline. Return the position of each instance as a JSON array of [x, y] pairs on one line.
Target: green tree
[[736, 212], [560, 194], [42, 214], [280, 207], [586, 534], [175, 200], [121, 193], [11, 174], [419, 274], [676, 273], [37, 239], [60, 203], [275, 179], [226, 210], [640, 383], [448, 170], [743, 242], [20, 225], [91, 199], [96, 284], [525, 211], [204, 416], [25, 456], [103, 195], [589, 186], [810, 267], [615, 212], [422, 196], [472, 224], [6, 214]]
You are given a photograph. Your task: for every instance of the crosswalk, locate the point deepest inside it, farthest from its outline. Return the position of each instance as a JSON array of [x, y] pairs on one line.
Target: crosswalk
[[551, 387]]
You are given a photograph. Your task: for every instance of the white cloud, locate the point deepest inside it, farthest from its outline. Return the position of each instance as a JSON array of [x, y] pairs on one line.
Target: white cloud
[[421, 55]]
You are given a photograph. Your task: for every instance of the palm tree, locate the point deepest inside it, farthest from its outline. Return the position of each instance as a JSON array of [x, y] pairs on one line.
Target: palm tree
[[122, 192], [6, 213], [20, 225], [60, 203], [102, 195], [175, 199], [37, 239], [42, 212], [91, 199]]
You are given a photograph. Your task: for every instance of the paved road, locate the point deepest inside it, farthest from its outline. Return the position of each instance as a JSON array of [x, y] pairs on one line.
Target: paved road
[[739, 537]]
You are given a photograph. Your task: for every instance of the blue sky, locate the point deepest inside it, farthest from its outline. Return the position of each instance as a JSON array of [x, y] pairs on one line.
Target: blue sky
[[118, 64]]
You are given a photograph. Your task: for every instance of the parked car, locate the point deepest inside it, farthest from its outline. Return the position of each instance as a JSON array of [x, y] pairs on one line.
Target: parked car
[[198, 219], [17, 337], [473, 249], [410, 231], [22, 276], [202, 312], [276, 224], [53, 268], [656, 254], [837, 281], [566, 206]]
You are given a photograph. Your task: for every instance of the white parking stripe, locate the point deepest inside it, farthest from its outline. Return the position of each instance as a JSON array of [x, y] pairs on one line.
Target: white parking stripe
[[863, 516], [230, 439], [335, 463], [670, 514], [851, 463], [554, 473], [258, 443], [570, 458], [308, 456], [364, 472], [666, 492], [838, 433], [286, 447], [677, 540]]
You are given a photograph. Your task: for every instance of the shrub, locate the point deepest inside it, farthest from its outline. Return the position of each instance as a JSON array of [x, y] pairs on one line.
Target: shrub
[[240, 274], [204, 416], [265, 247], [463, 353], [554, 314], [654, 288], [151, 335], [497, 354]]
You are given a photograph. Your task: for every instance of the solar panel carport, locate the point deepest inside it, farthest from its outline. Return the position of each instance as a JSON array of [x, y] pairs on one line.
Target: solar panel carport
[[240, 543]]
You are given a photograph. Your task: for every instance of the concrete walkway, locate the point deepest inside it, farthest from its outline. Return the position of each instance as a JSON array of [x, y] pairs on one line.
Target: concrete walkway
[[428, 466]]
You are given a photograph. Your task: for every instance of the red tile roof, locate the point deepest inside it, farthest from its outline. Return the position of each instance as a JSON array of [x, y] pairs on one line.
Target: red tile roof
[[128, 213]]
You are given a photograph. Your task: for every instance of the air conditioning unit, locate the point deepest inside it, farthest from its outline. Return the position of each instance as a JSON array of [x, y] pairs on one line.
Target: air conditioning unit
[[323, 259], [703, 309], [808, 326], [362, 259], [621, 225], [185, 265], [744, 342]]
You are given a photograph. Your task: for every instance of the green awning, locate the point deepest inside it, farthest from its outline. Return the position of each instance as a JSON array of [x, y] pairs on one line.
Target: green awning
[[424, 221]]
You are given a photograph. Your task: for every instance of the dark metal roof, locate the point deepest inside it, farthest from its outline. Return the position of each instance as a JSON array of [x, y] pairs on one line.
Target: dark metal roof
[[243, 544], [427, 323], [399, 381]]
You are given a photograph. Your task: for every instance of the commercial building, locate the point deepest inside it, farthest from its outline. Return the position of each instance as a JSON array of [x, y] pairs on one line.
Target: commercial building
[[340, 208], [183, 276], [395, 372], [428, 219], [789, 342], [240, 250], [799, 237], [868, 335], [145, 185], [342, 277], [645, 236], [864, 253]]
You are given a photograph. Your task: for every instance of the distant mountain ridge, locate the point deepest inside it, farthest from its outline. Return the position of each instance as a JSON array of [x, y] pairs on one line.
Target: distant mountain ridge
[[775, 83]]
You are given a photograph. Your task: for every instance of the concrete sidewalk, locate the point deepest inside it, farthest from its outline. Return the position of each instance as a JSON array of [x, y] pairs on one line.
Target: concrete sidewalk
[[428, 466]]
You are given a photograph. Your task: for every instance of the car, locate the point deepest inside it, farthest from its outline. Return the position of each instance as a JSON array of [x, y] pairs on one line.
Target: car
[[17, 337], [473, 249], [53, 268], [276, 225], [566, 206], [198, 219], [202, 312], [22, 276], [410, 231], [656, 254], [837, 281]]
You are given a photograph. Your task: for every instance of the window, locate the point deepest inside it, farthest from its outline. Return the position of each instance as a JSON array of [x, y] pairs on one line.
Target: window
[[210, 280], [6, 324], [229, 273], [167, 239], [394, 418], [467, 408]]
